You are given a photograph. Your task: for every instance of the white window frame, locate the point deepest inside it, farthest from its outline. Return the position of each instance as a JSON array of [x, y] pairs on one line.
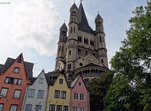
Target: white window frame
[[40, 94], [13, 107], [31, 93], [63, 94], [17, 94], [4, 92], [76, 96], [82, 97]]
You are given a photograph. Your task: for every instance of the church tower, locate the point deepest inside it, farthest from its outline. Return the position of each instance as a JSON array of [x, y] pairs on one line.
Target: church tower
[[71, 54], [61, 53], [83, 50], [100, 36]]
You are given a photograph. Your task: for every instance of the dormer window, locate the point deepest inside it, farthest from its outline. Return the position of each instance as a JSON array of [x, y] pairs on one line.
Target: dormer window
[[16, 70]]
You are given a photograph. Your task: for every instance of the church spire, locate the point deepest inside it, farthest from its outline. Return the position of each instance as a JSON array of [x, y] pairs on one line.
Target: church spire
[[82, 20]]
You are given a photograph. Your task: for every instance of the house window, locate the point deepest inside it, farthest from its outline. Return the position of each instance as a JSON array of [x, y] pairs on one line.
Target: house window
[[69, 66], [75, 109], [86, 41], [17, 94], [91, 42], [60, 81], [79, 51], [57, 94], [82, 109], [15, 81], [4, 92], [28, 107], [13, 107], [40, 94], [38, 108], [81, 96], [79, 83], [79, 39], [59, 108], [100, 40], [69, 52], [41, 80], [1, 106], [16, 70], [74, 29], [63, 94], [31, 93], [71, 30], [52, 107], [65, 108], [76, 96]]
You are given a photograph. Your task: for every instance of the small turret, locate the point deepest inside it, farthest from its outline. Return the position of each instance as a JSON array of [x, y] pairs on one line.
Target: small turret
[[74, 14], [99, 24], [63, 33]]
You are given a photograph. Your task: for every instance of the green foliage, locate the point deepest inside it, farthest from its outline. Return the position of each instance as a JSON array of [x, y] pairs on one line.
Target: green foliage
[[132, 66], [98, 88]]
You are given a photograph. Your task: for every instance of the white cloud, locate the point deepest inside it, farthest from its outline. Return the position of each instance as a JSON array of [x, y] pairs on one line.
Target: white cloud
[[33, 25]]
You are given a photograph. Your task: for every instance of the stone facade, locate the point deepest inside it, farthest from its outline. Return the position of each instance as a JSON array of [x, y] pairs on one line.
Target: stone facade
[[80, 47]]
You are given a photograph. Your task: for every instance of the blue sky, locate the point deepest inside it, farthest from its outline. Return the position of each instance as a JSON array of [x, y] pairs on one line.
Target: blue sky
[[32, 27]]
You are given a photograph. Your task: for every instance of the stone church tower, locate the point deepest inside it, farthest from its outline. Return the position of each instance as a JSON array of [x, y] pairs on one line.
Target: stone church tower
[[82, 50]]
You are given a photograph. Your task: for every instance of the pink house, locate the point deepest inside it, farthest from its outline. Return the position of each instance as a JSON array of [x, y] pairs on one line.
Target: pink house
[[79, 95]]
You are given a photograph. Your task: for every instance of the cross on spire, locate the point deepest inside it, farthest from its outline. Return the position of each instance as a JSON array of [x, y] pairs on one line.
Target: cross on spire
[[81, 1]]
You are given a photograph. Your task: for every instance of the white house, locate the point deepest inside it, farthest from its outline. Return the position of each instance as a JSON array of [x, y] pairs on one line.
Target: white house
[[36, 94]]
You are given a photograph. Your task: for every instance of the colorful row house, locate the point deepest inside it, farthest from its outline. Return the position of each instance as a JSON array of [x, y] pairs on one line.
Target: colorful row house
[[20, 91], [36, 94], [68, 96], [79, 95], [58, 95], [15, 74]]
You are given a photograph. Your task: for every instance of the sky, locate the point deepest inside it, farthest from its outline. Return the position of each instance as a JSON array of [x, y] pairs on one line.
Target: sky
[[32, 27]]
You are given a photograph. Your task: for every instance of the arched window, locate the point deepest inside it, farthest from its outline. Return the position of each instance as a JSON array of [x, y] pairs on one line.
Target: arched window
[[16, 70]]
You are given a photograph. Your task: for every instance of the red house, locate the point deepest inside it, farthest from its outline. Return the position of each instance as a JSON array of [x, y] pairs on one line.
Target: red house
[[79, 95], [15, 74]]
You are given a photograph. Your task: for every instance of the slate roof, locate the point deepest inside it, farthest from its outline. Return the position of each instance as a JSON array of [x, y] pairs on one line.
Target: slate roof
[[73, 7], [1, 68], [49, 78], [83, 24], [98, 17], [32, 80], [28, 67], [63, 27]]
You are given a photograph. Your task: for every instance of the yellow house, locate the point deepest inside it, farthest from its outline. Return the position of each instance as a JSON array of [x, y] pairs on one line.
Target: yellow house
[[58, 95]]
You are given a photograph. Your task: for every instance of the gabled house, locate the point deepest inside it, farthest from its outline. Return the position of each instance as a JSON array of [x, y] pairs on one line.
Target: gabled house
[[58, 94], [36, 94], [15, 74], [79, 95]]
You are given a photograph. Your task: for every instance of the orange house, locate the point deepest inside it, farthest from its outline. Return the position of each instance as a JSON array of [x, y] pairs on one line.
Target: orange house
[[15, 74]]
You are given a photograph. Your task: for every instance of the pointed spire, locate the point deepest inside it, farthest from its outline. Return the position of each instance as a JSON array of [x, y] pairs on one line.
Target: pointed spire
[[74, 7], [82, 21], [98, 17], [64, 27], [81, 16]]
